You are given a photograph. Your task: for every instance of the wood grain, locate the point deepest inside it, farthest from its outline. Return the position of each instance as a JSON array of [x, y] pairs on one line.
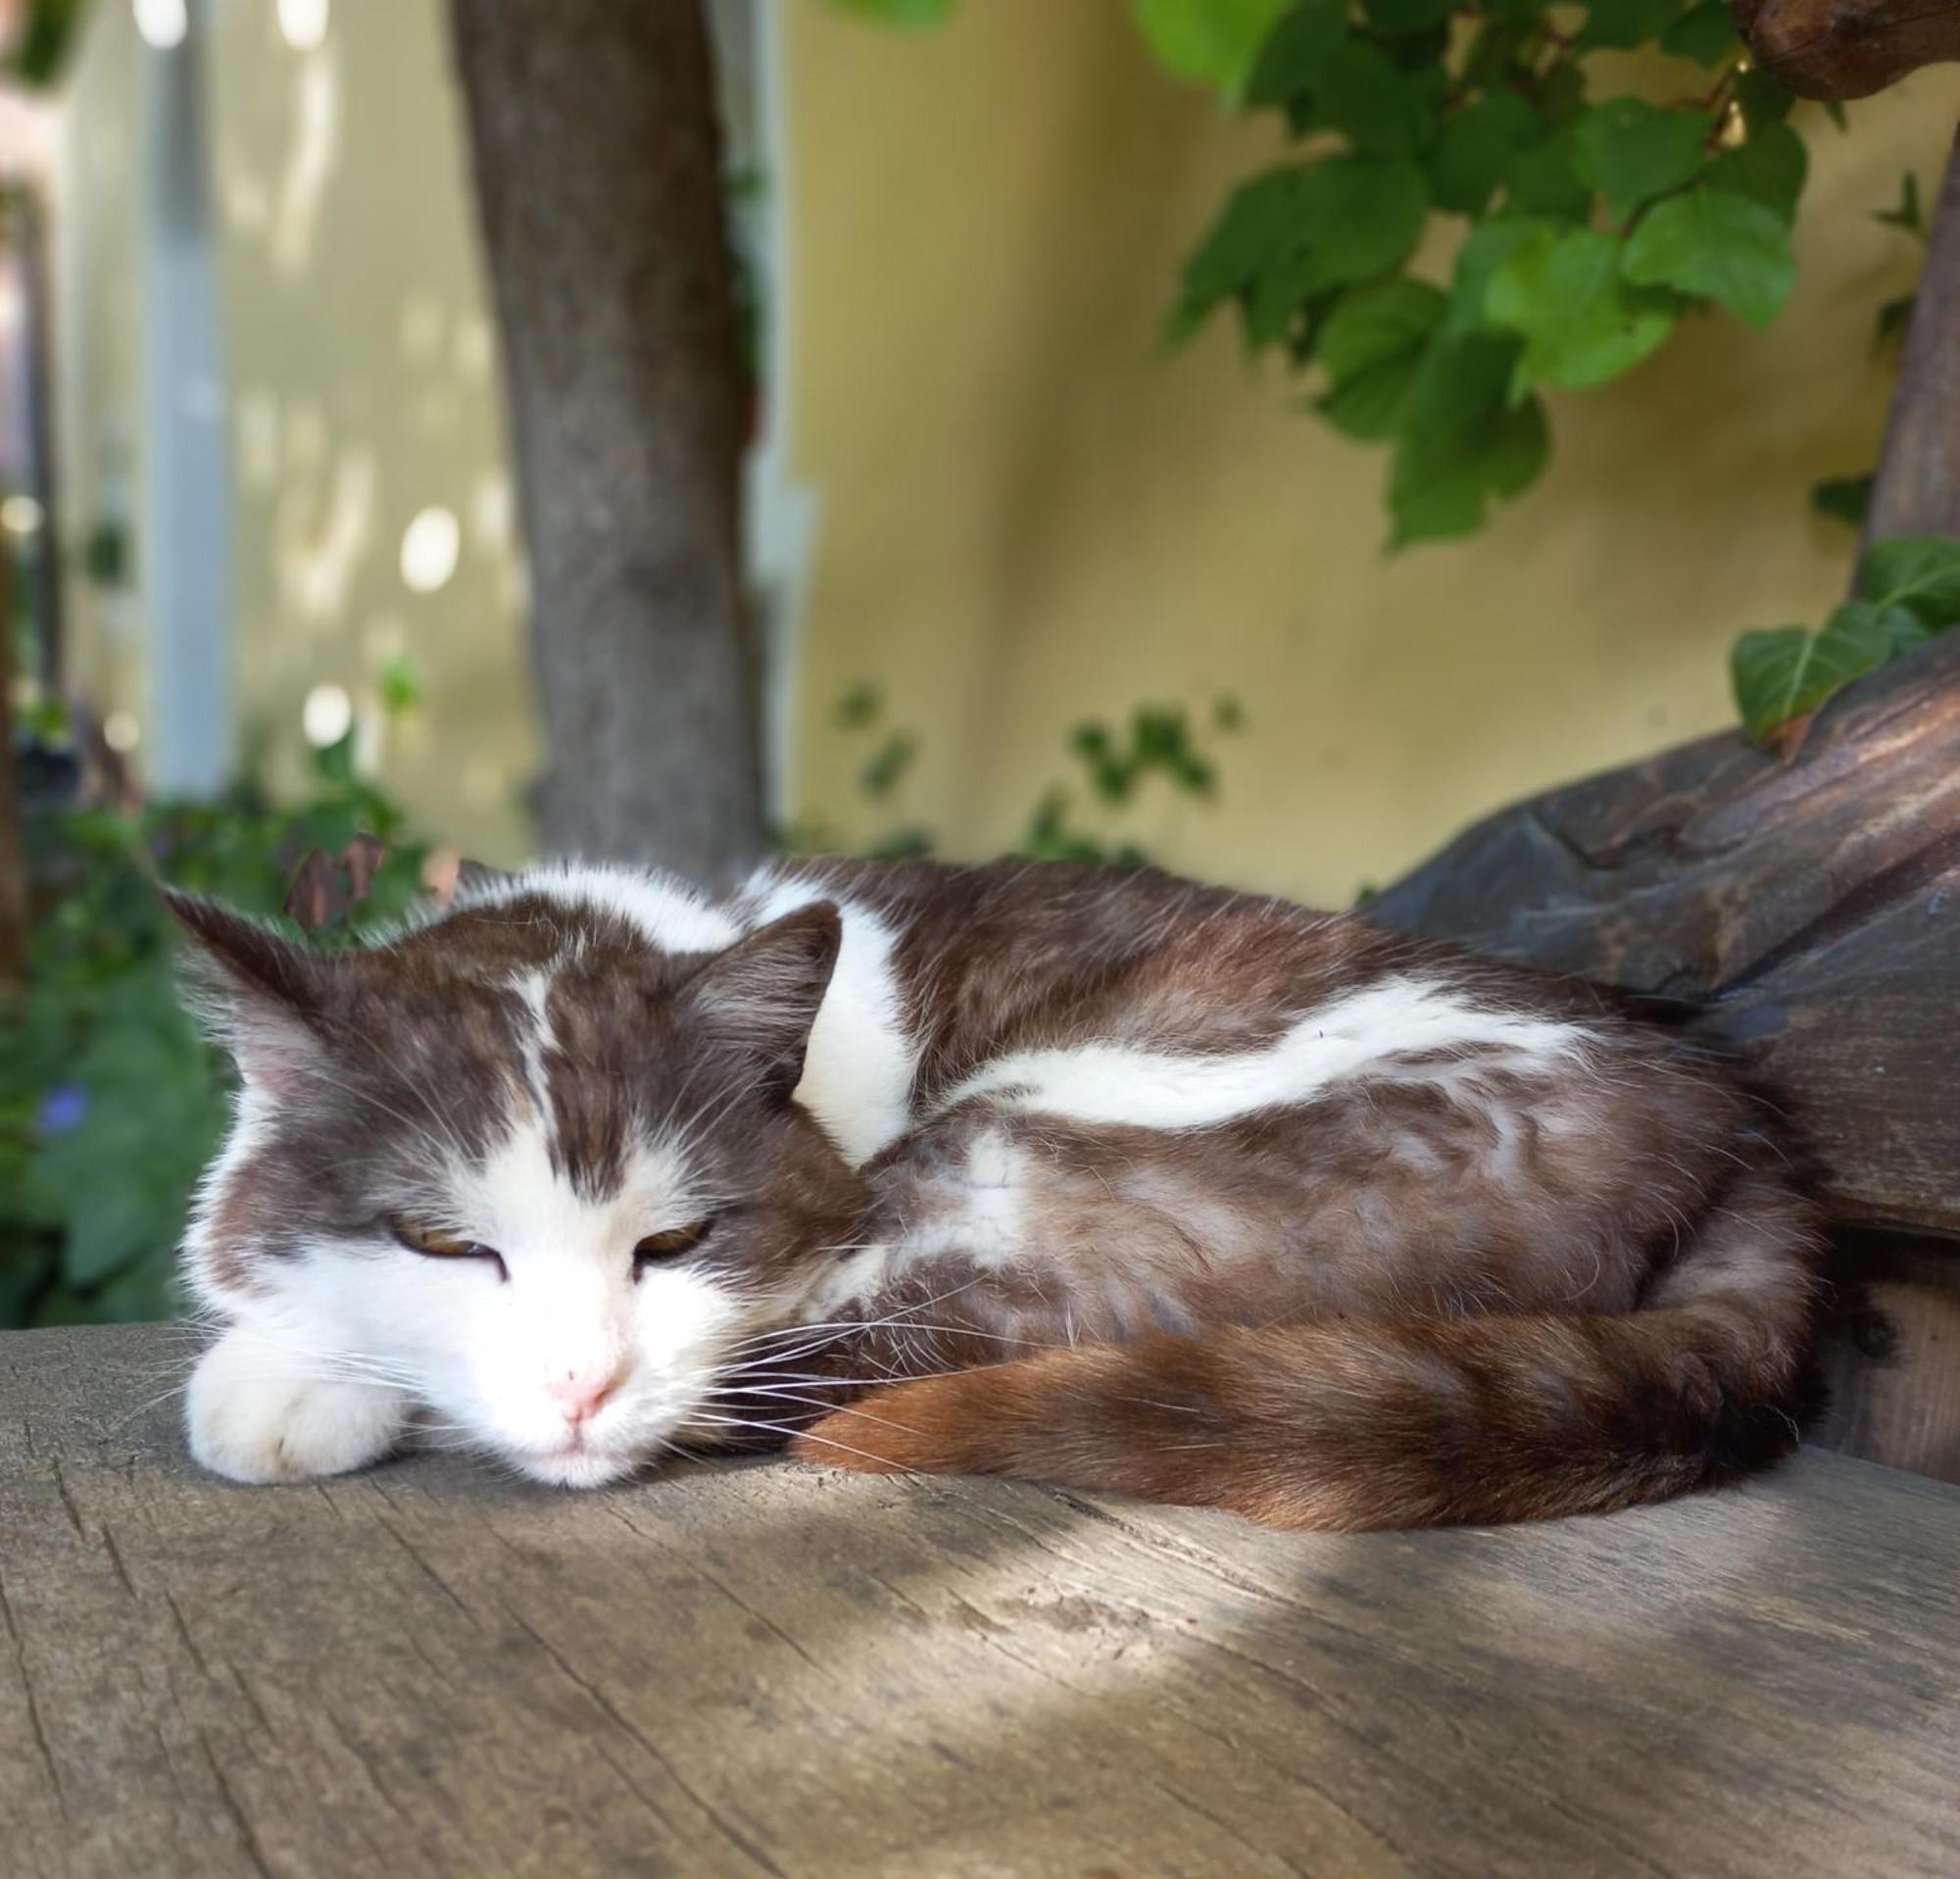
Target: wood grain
[[1814, 904], [1847, 48], [753, 1669]]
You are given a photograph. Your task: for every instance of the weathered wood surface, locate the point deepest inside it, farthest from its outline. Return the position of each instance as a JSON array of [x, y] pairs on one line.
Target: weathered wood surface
[[1817, 902], [1847, 48], [753, 1669], [1917, 488], [1894, 1362]]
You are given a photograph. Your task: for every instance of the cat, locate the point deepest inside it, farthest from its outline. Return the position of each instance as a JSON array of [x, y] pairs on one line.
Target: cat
[[1091, 1176]]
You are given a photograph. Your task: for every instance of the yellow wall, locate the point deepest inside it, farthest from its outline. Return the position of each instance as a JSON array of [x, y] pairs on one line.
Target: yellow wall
[[362, 388], [1028, 513], [1025, 512]]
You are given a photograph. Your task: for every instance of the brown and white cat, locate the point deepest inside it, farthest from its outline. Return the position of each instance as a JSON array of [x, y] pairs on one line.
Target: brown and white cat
[[1095, 1177]]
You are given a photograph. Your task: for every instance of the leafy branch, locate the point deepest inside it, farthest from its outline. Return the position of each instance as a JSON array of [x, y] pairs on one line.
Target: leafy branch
[[1592, 227]]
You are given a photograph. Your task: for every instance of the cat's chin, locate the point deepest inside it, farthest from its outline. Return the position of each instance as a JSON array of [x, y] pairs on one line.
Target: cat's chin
[[574, 1467]]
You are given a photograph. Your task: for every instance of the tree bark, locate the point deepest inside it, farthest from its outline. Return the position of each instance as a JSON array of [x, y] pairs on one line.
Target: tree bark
[[1916, 491], [597, 168]]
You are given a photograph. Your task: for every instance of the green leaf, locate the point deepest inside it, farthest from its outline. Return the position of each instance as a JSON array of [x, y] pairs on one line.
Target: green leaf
[[1544, 180], [1581, 322], [901, 13], [1295, 53], [1484, 250], [1781, 672], [1213, 42], [1624, 24], [1380, 108], [1713, 242], [1918, 572], [1474, 148], [1764, 100], [1461, 442], [1399, 16], [1438, 489], [1705, 33], [1632, 151], [1365, 213], [1894, 318], [1296, 232], [1908, 214], [1844, 499], [1769, 168], [1371, 346]]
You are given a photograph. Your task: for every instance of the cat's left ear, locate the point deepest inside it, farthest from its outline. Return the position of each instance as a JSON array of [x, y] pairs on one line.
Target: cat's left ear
[[263, 996], [761, 996]]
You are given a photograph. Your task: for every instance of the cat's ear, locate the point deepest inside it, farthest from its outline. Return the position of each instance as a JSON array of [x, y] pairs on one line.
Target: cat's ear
[[761, 995], [262, 994]]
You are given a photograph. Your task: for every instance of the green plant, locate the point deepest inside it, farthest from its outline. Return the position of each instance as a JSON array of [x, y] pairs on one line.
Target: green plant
[[111, 1102], [1591, 225], [1907, 590], [1161, 743]]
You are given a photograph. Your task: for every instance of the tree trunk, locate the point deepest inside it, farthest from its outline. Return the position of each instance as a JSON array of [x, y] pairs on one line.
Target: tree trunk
[[598, 172], [1917, 490]]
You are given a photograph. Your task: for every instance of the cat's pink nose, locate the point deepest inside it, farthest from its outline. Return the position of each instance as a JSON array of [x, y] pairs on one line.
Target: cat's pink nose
[[580, 1393]]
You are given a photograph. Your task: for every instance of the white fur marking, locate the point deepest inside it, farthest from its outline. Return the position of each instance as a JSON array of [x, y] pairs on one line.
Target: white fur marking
[[1358, 1035], [857, 1076]]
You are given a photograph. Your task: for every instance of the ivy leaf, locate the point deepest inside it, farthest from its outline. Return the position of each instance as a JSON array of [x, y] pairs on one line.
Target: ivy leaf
[[1461, 441], [901, 13], [1769, 167], [1781, 672], [1381, 108], [1764, 100], [1713, 242], [1371, 346], [1844, 499], [1624, 24], [1705, 35], [1438, 488], [1401, 17], [1474, 148], [1292, 233], [1632, 151], [1484, 250], [1251, 235], [1211, 41], [1289, 63], [1364, 215], [1908, 214], [1920, 573], [1542, 179], [1581, 322]]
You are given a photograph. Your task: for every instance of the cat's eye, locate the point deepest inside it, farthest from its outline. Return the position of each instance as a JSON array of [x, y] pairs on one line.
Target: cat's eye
[[434, 1244], [662, 1249]]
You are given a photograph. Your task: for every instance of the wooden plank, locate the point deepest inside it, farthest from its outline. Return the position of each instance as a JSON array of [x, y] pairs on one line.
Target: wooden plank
[[748, 1668], [1816, 903], [1892, 1359]]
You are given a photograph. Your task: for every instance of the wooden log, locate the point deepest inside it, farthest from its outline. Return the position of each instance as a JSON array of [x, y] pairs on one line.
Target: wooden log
[[1847, 48], [1814, 905], [431, 1669]]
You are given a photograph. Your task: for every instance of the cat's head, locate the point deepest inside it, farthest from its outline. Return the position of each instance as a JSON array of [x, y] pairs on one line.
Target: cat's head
[[528, 1156]]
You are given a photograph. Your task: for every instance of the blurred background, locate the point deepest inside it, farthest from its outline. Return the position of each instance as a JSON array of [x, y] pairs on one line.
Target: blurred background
[[1047, 533]]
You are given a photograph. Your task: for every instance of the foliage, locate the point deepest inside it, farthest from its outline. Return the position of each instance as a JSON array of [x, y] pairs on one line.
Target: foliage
[[110, 1101], [1592, 227], [1160, 744], [1908, 589], [41, 42]]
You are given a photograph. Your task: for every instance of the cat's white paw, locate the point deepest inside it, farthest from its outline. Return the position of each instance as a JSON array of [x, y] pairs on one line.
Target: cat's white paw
[[256, 1414]]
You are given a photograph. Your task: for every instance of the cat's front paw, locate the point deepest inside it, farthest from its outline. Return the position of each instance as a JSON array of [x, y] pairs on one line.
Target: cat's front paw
[[258, 1414]]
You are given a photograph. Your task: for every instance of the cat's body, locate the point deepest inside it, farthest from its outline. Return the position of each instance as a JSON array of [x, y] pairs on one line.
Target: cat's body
[[1155, 1187]]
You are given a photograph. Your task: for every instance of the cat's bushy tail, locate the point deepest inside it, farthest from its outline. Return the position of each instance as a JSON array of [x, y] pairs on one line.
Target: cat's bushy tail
[[1343, 1424]]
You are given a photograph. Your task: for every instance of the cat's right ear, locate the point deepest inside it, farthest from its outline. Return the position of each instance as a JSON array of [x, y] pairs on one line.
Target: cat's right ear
[[260, 993]]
